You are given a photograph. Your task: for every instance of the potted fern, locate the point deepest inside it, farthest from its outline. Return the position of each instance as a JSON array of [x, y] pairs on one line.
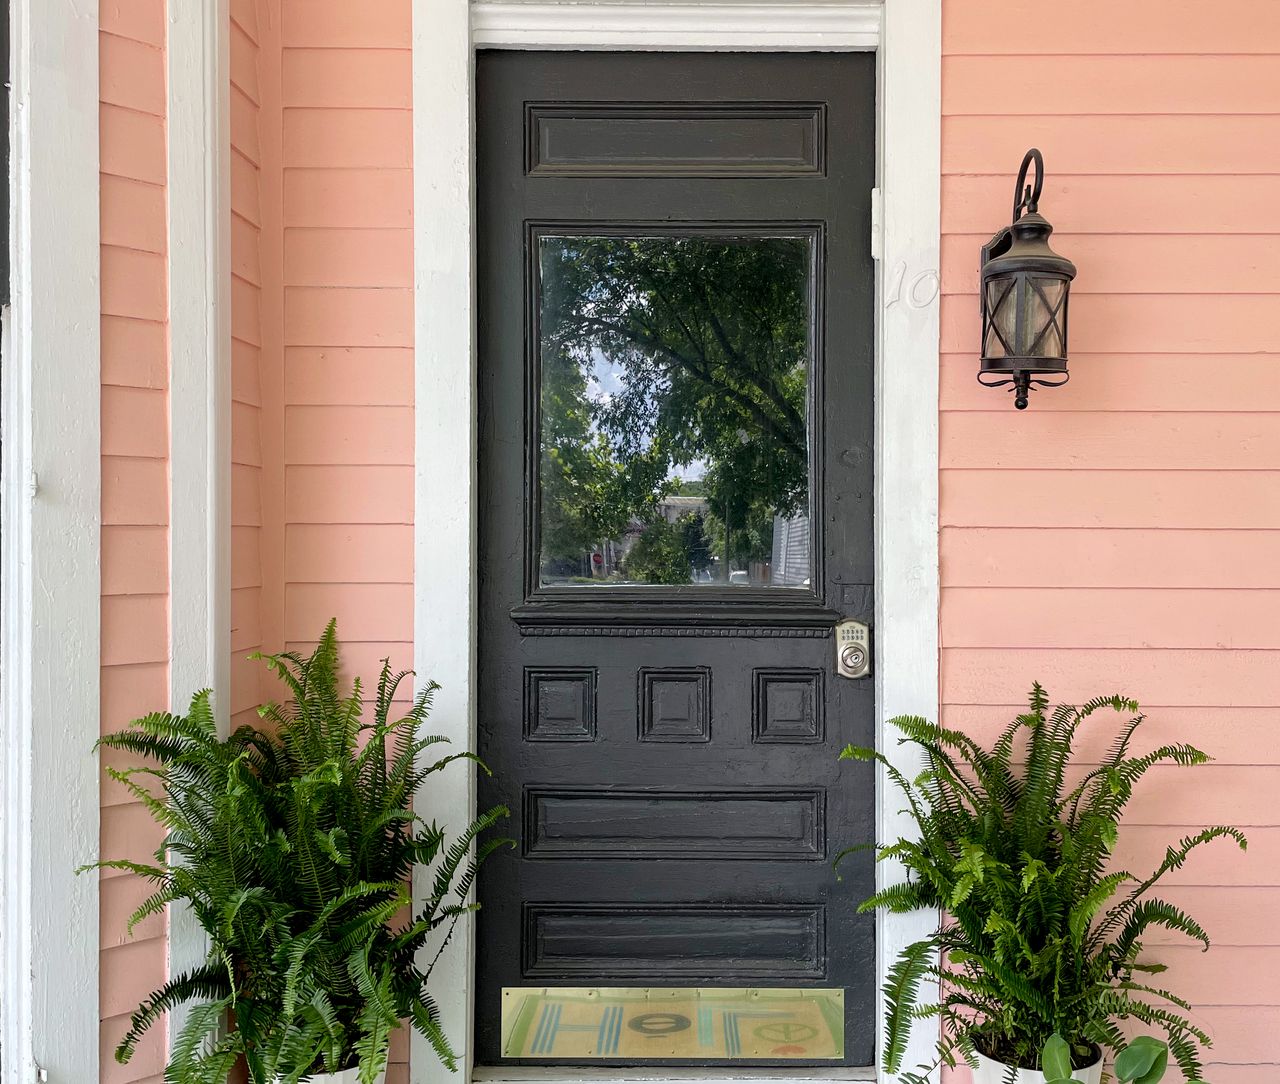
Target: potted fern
[[1039, 949], [293, 844]]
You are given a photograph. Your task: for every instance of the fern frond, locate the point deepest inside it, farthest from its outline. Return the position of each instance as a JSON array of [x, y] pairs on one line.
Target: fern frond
[[208, 983], [901, 992]]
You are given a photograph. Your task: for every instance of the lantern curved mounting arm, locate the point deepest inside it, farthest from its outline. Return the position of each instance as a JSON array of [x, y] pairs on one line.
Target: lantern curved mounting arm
[[1024, 196]]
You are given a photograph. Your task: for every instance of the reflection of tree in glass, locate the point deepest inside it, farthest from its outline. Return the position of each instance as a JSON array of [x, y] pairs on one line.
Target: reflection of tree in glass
[[658, 555], [707, 339], [670, 552], [588, 495]]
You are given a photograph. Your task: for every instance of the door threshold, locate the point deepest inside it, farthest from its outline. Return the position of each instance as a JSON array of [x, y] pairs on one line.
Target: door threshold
[[552, 1074]]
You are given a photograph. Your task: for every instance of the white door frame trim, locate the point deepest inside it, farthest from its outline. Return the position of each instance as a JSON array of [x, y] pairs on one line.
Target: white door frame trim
[[51, 548], [199, 257], [609, 24], [907, 37]]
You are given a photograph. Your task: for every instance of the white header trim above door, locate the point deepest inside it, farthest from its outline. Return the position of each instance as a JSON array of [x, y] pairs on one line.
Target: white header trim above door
[[613, 25], [907, 36]]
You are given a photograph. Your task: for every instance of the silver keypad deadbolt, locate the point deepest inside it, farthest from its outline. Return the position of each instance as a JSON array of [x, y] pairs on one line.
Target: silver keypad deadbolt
[[853, 649]]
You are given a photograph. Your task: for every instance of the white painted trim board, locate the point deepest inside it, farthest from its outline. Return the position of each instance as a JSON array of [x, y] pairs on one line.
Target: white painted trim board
[[676, 26], [908, 38], [50, 541], [199, 251], [445, 443]]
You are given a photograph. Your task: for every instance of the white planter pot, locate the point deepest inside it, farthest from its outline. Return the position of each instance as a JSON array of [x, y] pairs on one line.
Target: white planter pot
[[995, 1072], [347, 1076]]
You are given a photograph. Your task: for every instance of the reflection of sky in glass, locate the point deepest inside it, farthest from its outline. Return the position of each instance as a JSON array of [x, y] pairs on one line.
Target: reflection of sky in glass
[[603, 383]]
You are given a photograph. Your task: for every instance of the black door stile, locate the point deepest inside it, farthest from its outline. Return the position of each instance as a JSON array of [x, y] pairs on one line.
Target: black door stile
[[669, 752]]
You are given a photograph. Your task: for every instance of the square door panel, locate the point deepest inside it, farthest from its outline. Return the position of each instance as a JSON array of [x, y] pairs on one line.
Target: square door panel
[[560, 704], [675, 704], [786, 706]]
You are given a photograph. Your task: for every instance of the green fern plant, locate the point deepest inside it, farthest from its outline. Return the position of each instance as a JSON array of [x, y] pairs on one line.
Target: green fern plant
[[1039, 935], [293, 844]]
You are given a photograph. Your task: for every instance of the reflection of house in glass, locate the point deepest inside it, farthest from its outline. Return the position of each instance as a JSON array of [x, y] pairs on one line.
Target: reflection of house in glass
[[669, 510], [672, 508], [790, 565]]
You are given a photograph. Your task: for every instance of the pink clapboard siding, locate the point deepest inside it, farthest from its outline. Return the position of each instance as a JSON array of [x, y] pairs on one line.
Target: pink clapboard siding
[[345, 506], [135, 487], [347, 336], [1123, 533]]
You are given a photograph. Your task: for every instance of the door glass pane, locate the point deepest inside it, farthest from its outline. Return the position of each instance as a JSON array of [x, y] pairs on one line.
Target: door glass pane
[[674, 410]]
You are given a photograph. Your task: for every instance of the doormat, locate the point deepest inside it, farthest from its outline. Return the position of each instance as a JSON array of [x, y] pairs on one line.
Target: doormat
[[637, 1024]]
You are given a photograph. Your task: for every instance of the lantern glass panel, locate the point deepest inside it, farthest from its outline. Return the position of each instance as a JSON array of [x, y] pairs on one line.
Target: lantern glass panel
[[1002, 316], [1043, 327]]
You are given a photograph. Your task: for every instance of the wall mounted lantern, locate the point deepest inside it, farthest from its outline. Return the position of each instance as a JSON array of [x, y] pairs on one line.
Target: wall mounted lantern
[[1024, 288]]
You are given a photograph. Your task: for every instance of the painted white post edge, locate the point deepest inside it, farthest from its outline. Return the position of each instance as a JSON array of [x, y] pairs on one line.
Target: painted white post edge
[[906, 514], [199, 197], [445, 459], [51, 547], [906, 496]]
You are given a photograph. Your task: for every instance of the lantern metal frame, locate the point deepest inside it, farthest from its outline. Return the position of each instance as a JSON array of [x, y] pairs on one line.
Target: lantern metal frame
[[1019, 256]]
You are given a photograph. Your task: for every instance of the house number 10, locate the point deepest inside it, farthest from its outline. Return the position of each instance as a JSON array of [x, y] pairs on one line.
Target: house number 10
[[922, 292]]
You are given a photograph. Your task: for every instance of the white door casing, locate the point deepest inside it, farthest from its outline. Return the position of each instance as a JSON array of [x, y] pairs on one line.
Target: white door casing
[[907, 37]]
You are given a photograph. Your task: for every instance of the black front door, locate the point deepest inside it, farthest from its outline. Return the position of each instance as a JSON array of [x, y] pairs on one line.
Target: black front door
[[676, 495]]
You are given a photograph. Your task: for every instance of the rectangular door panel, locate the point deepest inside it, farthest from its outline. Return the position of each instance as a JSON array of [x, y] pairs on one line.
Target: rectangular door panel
[[606, 822], [716, 942]]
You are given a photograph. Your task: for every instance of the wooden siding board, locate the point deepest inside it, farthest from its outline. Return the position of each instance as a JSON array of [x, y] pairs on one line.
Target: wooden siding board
[[1121, 205], [132, 145], [1018, 617], [1101, 27], [349, 493], [1159, 499], [135, 353], [1225, 383], [341, 24], [1063, 557], [1122, 84], [349, 376], [348, 138], [351, 197], [1106, 145], [1230, 735], [344, 78], [131, 74], [337, 257], [133, 215], [1170, 263], [1109, 441]]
